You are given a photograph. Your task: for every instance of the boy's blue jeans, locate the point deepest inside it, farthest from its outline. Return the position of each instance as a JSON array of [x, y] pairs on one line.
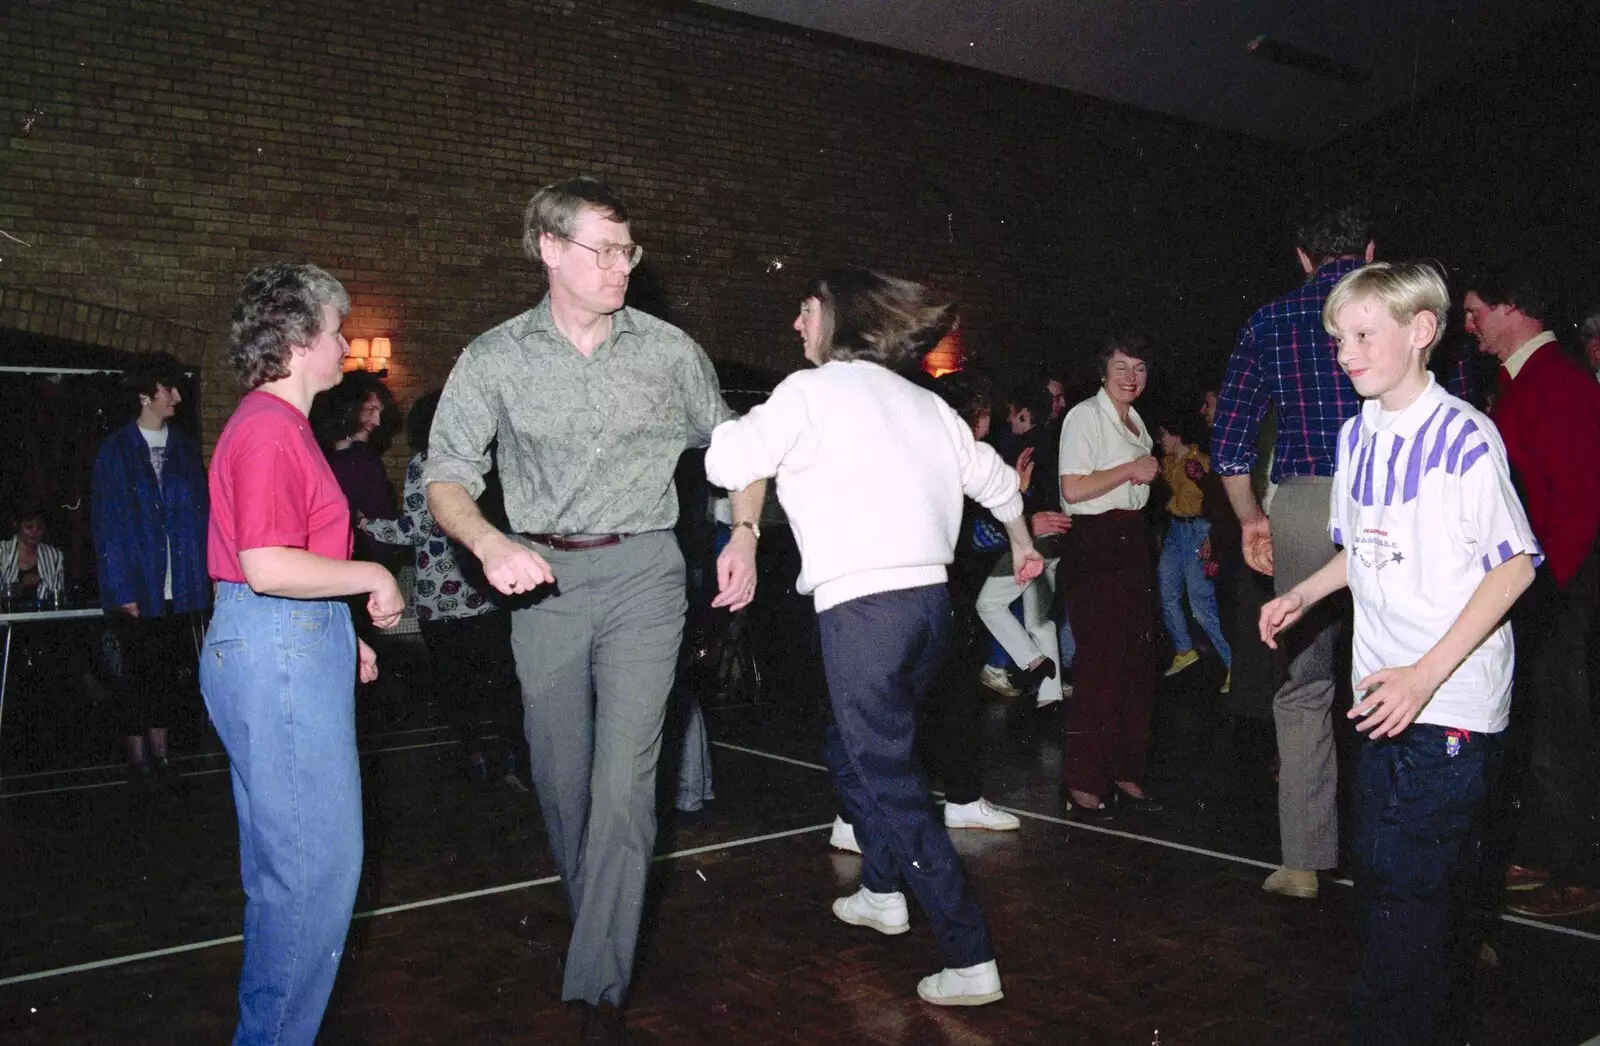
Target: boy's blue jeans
[[279, 681], [1418, 807]]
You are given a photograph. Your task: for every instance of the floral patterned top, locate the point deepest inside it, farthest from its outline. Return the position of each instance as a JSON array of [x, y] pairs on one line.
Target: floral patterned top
[[441, 591]]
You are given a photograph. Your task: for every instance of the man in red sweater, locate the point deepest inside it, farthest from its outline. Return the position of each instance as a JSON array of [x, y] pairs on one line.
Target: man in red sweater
[[1547, 408]]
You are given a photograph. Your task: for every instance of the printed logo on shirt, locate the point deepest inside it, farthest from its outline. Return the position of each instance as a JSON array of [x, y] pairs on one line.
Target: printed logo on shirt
[[1375, 550]]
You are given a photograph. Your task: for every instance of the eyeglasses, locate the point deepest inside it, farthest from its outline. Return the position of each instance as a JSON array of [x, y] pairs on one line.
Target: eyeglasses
[[607, 257]]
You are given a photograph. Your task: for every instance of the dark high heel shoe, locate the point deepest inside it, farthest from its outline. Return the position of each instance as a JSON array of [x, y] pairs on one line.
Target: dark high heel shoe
[[1088, 814], [1145, 805]]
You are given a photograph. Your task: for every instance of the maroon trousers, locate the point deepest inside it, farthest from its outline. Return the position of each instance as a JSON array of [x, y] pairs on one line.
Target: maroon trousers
[[1109, 583]]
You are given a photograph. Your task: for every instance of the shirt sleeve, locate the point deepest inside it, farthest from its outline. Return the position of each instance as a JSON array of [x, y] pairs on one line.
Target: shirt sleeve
[[464, 425], [414, 523], [1241, 405], [704, 406], [1338, 525], [752, 447], [1488, 515], [271, 503], [1080, 443], [985, 478]]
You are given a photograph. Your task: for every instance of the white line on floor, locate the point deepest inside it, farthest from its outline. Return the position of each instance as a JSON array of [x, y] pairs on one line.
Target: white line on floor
[[432, 902], [1533, 924]]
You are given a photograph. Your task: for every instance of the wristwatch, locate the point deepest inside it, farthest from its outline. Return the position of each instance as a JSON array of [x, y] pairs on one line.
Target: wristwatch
[[755, 528]]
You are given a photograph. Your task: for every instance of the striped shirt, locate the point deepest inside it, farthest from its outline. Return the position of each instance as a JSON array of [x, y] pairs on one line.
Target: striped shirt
[[1423, 504]]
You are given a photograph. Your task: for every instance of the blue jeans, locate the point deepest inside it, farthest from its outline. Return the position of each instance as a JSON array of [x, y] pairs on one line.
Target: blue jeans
[[1182, 570], [279, 681], [881, 653], [1419, 815]]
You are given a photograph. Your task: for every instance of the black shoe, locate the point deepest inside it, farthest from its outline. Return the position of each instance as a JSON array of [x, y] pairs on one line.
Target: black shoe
[[603, 1024], [1145, 805], [142, 779], [512, 778], [477, 770], [1032, 678], [1088, 814]]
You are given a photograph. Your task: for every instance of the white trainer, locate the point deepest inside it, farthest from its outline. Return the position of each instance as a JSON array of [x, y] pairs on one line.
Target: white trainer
[[969, 986], [981, 814], [998, 680], [844, 836], [884, 912]]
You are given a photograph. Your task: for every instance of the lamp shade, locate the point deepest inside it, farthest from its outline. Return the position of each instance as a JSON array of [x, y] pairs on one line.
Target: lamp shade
[[360, 348], [380, 348]]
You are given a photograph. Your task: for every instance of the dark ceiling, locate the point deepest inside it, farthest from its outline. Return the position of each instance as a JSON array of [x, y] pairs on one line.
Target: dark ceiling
[[1191, 58]]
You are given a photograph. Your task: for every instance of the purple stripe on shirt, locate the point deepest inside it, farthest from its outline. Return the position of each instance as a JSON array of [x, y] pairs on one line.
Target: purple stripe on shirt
[[1455, 447], [1372, 466], [1414, 459], [1439, 441], [1471, 456], [1338, 536], [1388, 482], [1504, 548], [1486, 566]]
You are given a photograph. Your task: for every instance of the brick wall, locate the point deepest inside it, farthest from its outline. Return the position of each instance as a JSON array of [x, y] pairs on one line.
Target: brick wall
[[151, 152]]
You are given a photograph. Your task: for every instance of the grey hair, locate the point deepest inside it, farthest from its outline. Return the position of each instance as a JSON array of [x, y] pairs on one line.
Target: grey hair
[[279, 306], [555, 210]]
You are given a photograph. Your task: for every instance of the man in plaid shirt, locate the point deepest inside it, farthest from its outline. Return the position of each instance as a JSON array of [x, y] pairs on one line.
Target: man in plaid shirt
[[1284, 357]]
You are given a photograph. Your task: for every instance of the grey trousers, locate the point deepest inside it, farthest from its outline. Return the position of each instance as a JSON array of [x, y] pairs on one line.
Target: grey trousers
[[596, 660], [1308, 775]]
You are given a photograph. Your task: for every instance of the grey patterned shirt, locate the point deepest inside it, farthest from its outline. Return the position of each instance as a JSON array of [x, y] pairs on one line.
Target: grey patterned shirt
[[587, 445]]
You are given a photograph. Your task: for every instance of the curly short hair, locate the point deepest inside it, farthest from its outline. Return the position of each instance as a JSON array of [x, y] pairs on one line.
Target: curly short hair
[[555, 209], [877, 318], [279, 306], [336, 412], [1335, 234]]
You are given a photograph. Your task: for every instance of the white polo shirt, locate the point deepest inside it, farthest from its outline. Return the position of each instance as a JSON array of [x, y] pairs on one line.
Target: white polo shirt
[[1093, 439], [1423, 503]]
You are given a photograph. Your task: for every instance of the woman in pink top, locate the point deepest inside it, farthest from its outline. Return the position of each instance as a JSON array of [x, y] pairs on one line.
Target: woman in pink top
[[281, 659]]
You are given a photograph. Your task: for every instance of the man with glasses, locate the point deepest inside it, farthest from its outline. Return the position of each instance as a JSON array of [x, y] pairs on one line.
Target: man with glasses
[[592, 403]]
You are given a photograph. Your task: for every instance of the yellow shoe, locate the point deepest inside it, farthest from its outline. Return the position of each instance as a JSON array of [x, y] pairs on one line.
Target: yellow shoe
[[1227, 682], [1182, 660], [1292, 882]]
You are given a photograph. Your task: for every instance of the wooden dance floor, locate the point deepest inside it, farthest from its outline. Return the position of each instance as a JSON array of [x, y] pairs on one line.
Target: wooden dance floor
[[118, 919]]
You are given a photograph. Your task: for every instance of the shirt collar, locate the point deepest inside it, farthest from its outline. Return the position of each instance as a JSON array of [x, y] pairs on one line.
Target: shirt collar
[[1410, 420], [1334, 269], [1103, 398], [1519, 359], [542, 320]]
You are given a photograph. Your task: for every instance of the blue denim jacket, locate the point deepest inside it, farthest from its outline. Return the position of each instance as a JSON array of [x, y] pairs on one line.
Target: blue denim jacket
[[134, 516]]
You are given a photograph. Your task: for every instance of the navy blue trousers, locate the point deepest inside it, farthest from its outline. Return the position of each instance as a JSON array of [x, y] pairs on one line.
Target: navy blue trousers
[[1419, 816], [881, 654]]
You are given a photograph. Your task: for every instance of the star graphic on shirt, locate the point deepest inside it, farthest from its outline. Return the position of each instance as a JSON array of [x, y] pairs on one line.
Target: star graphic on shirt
[[1397, 558]]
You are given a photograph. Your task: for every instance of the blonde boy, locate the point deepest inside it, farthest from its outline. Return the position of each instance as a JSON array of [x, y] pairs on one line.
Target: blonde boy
[[1435, 549]]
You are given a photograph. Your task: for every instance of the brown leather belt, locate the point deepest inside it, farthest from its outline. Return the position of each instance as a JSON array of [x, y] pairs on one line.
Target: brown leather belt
[[577, 544]]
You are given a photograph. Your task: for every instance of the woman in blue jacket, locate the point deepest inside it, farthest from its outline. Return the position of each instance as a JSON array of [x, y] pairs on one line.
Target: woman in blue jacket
[[148, 513]]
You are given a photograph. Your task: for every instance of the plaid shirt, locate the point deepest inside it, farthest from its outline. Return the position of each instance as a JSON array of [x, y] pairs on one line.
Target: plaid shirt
[[1284, 356]]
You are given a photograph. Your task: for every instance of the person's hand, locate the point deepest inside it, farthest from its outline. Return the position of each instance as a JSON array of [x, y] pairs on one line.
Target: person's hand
[[1278, 614], [1043, 524], [366, 662], [1255, 537], [1394, 697], [1193, 469], [1025, 468], [1143, 470], [131, 609], [1205, 549], [736, 571], [1026, 563], [385, 604], [512, 567]]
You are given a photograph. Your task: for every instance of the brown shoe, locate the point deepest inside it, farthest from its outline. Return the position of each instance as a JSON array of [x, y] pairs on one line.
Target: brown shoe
[[1520, 878], [1557, 902]]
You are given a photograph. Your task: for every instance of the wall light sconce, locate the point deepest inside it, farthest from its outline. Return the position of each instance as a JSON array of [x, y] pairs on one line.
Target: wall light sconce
[[368, 354]]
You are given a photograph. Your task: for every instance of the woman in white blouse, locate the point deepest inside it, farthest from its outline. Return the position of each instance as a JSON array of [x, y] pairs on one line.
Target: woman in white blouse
[[1106, 469]]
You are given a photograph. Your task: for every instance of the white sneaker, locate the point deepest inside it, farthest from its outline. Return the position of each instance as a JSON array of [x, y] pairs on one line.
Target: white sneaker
[[884, 912], [981, 814], [971, 986], [997, 680], [844, 836]]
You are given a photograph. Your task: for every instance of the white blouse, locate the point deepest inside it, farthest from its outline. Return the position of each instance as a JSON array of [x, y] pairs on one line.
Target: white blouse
[[1093, 439]]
